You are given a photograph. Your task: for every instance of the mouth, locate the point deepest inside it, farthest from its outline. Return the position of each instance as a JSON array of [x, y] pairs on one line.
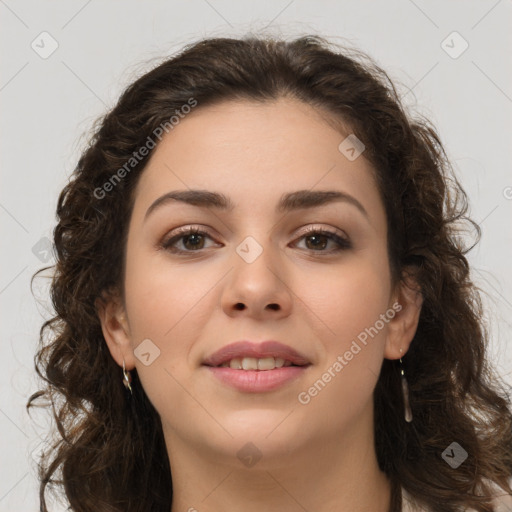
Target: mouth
[[256, 368], [260, 364], [246, 355]]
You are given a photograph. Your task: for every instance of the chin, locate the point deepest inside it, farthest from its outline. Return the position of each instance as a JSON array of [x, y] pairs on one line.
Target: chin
[[271, 432]]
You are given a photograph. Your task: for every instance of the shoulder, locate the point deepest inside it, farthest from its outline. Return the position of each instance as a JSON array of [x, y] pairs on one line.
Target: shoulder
[[502, 502]]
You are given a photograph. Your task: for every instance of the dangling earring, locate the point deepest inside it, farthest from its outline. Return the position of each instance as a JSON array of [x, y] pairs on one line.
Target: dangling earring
[[127, 379], [405, 393]]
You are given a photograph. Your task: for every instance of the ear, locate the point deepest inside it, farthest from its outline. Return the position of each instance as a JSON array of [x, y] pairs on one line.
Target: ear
[[402, 327], [115, 327]]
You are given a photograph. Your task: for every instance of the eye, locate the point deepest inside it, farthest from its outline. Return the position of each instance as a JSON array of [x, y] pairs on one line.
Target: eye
[[192, 239], [319, 239]]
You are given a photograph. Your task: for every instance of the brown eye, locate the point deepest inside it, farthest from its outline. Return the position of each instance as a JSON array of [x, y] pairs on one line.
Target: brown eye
[[317, 240], [192, 240]]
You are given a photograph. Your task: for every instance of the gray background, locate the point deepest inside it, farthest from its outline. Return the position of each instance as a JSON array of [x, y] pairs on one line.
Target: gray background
[[49, 103]]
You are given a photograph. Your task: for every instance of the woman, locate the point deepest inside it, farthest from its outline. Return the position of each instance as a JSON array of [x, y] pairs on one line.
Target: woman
[[262, 302]]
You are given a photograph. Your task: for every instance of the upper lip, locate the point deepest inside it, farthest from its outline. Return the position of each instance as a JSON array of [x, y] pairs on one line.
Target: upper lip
[[241, 349]]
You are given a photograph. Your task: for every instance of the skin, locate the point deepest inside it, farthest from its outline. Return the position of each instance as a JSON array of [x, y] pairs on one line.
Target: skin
[[318, 456]]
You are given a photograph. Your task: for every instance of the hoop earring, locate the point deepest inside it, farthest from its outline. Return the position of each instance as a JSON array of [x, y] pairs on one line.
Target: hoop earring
[[405, 393], [127, 379]]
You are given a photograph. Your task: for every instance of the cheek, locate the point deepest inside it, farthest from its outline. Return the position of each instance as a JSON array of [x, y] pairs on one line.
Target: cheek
[[350, 297], [161, 294], [167, 304], [349, 302]]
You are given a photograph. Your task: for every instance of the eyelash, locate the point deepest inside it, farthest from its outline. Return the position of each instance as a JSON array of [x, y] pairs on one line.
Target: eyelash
[[343, 243]]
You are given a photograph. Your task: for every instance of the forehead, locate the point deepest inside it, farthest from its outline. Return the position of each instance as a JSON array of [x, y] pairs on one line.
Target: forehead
[[254, 152]]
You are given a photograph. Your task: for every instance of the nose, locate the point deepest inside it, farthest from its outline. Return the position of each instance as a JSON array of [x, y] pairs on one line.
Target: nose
[[259, 285]]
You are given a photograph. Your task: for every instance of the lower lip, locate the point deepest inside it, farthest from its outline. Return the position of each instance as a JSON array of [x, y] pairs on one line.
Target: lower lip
[[257, 381]]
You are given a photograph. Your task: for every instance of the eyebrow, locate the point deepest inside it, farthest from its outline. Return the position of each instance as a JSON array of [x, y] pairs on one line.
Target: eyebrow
[[300, 199]]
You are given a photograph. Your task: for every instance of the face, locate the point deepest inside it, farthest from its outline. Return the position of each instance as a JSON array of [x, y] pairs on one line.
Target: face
[[309, 271]]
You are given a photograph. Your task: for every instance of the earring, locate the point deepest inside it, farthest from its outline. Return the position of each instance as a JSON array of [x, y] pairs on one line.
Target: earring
[[127, 379], [405, 393]]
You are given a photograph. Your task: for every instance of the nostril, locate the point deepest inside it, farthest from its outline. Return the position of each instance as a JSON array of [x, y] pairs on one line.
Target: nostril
[[239, 306]]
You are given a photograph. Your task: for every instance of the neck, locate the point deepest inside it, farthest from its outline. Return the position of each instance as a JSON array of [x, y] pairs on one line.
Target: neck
[[339, 474]]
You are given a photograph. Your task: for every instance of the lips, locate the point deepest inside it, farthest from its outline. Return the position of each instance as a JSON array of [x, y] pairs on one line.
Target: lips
[[246, 349], [256, 367]]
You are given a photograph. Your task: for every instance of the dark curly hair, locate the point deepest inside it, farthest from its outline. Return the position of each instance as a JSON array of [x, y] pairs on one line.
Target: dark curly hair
[[109, 454]]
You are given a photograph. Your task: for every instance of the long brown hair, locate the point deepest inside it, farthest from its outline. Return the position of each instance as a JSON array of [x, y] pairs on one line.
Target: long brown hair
[[109, 454]]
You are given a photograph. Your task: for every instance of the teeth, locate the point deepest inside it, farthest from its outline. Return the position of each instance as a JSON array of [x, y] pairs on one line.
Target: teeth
[[268, 363], [253, 363], [249, 363]]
